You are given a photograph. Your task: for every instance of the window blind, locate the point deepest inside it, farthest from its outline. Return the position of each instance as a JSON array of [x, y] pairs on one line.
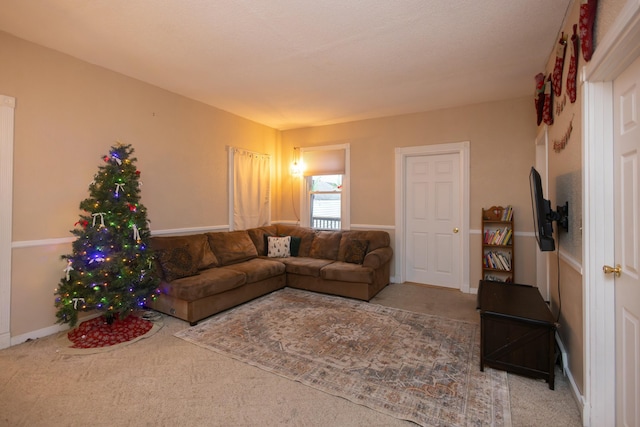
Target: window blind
[[324, 162]]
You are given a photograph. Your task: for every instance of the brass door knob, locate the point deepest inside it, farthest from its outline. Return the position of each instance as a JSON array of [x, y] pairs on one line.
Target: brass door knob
[[455, 230], [615, 270]]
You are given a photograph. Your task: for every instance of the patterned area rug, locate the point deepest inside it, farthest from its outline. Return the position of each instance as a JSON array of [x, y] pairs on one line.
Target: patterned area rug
[[411, 366]]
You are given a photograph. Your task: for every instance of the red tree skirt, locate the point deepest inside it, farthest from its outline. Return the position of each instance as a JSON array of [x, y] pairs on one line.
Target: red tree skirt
[[97, 332]]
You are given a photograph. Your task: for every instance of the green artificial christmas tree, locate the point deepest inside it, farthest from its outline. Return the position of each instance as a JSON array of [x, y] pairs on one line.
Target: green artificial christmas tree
[[111, 268]]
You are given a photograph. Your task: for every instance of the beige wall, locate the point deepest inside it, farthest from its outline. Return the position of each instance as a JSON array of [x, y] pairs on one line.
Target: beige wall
[[501, 135], [68, 113], [565, 184]]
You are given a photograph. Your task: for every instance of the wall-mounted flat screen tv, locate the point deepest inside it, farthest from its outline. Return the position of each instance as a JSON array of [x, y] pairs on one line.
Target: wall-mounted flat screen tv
[[543, 215]]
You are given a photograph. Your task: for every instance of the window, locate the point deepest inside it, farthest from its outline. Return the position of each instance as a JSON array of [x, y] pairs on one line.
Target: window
[[326, 201], [324, 194]]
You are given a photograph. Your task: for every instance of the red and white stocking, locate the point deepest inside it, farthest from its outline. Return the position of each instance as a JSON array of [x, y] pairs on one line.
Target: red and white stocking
[[587, 19], [547, 113], [539, 98], [556, 77], [573, 66]]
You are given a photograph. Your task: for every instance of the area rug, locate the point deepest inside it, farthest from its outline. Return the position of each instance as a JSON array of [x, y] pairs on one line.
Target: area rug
[[95, 335], [411, 366]]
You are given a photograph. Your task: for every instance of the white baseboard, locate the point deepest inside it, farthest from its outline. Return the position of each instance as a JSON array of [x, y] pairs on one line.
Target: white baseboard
[[45, 332], [567, 372], [40, 333], [5, 340]]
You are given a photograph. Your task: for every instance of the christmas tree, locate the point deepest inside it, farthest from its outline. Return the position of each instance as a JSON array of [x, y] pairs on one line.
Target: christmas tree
[[111, 267]]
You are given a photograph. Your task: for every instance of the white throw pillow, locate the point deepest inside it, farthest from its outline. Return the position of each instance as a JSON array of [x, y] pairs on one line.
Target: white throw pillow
[[279, 247]]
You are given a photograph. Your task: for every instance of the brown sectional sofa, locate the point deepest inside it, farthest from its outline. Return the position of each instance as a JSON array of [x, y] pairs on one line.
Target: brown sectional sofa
[[204, 274]]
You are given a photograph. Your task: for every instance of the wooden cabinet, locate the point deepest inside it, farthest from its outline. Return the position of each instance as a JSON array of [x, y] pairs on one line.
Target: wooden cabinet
[[497, 244], [517, 330]]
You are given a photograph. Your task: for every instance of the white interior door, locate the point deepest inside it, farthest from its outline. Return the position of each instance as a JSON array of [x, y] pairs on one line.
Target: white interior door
[[432, 217], [627, 241]]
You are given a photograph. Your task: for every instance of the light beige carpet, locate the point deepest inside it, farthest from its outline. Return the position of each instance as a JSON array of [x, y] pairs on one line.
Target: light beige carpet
[[167, 381], [412, 366]]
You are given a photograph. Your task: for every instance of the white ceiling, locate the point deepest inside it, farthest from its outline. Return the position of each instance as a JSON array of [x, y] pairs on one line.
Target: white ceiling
[[298, 63]]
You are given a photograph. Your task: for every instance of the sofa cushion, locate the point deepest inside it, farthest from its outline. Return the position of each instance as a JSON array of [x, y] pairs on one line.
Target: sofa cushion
[[209, 282], [356, 251], [177, 262], [231, 247], [305, 266], [259, 237], [279, 247], [325, 245], [347, 272], [198, 246], [306, 235], [258, 269]]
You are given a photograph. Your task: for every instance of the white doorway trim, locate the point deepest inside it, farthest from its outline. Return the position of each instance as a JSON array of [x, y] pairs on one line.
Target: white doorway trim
[[401, 154], [7, 107], [618, 49]]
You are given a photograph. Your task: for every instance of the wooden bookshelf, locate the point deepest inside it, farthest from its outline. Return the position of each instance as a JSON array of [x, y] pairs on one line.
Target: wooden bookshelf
[[497, 244]]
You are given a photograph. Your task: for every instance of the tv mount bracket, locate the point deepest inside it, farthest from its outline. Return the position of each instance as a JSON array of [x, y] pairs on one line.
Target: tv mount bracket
[[561, 216]]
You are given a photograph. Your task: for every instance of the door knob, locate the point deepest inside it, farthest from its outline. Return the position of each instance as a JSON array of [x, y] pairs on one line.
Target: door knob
[[455, 230], [615, 270]]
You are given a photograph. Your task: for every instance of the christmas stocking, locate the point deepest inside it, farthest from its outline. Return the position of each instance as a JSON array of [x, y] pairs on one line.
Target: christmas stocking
[[587, 19], [573, 66], [556, 77], [547, 114], [539, 99]]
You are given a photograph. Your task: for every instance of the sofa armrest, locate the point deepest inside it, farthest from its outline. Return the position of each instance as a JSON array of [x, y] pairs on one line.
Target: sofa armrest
[[378, 257]]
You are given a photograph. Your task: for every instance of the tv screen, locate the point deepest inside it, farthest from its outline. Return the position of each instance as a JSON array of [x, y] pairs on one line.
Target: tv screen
[[542, 213]]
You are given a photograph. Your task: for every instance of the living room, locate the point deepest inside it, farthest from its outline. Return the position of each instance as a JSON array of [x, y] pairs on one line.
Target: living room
[[68, 112]]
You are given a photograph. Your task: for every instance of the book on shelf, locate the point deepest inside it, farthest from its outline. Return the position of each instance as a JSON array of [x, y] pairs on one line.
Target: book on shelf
[[498, 237], [497, 260], [507, 214]]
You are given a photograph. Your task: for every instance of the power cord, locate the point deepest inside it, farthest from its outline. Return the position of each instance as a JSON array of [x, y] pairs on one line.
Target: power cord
[[293, 205], [152, 316], [558, 284]]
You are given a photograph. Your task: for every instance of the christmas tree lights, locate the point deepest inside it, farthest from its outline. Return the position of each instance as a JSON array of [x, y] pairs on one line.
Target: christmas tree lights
[[111, 268]]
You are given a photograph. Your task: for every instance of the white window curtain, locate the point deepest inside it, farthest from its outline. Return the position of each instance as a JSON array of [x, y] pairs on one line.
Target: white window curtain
[[250, 192]]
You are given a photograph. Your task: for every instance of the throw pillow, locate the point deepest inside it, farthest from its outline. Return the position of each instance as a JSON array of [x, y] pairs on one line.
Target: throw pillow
[[177, 263], [295, 244], [279, 247], [356, 251]]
